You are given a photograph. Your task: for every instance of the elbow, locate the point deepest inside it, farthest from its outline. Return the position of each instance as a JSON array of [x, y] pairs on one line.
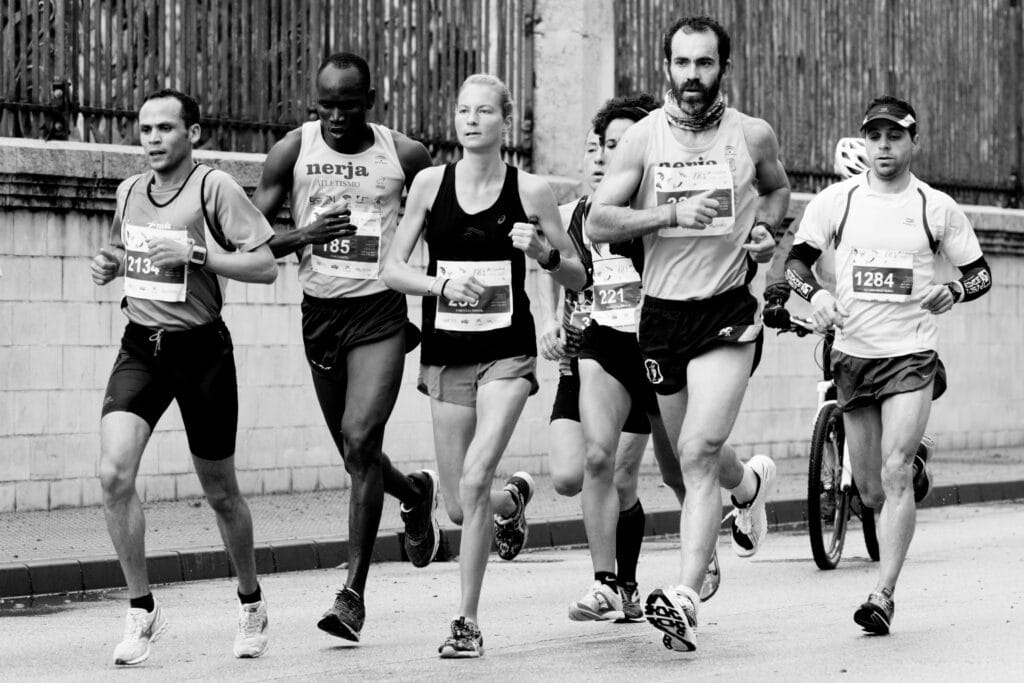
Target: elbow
[[268, 273], [387, 275]]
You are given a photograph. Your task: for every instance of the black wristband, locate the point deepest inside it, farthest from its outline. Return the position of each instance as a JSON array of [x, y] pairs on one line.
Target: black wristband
[[955, 291], [446, 281], [554, 261]]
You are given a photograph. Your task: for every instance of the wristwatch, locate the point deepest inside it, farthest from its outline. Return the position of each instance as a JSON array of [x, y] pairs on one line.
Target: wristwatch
[[196, 255], [554, 261]]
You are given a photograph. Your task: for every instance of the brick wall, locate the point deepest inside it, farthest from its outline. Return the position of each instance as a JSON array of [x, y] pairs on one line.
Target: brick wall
[[59, 335]]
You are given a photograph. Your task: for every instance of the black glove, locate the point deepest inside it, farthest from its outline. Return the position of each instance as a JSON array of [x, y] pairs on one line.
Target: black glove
[[776, 315], [777, 294]]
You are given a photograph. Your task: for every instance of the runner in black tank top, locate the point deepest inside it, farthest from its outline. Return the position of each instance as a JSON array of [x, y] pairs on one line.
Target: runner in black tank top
[[478, 353], [454, 235]]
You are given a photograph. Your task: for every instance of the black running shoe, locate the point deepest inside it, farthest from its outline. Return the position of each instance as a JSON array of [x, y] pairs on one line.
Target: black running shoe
[[345, 617], [875, 614], [510, 533], [464, 642], [422, 534]]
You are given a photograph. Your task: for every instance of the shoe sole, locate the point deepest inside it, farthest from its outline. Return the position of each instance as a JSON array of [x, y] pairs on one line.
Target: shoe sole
[[461, 654], [664, 614], [337, 628], [872, 620], [709, 587], [145, 655], [530, 486], [253, 655], [631, 618], [434, 488]]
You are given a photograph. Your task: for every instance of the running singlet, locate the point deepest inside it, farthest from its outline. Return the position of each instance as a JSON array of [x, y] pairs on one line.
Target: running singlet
[[371, 183], [885, 247], [499, 324], [690, 264], [576, 306], [211, 209]]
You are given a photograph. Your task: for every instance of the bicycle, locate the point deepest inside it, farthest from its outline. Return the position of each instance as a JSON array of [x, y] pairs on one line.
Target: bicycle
[[832, 496]]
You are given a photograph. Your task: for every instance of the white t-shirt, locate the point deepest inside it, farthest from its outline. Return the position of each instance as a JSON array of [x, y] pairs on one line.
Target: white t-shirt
[[885, 260]]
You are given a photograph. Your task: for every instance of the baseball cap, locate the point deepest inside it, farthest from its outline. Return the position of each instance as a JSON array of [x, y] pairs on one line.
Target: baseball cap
[[889, 111]]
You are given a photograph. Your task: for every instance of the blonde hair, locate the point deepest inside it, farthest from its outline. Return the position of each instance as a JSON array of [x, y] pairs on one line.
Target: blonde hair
[[497, 84]]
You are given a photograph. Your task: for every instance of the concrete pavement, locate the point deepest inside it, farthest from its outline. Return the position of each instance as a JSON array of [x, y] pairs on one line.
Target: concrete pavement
[[68, 550], [776, 617]]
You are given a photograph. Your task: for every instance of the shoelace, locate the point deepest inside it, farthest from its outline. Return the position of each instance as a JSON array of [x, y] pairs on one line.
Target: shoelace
[[249, 622], [135, 623], [744, 520]]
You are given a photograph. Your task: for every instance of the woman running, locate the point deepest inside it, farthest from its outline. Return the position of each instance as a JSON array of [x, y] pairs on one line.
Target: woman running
[[481, 218]]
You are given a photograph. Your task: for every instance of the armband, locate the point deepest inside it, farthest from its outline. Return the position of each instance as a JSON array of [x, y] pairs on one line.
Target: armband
[[554, 261], [955, 288], [767, 226], [444, 284]]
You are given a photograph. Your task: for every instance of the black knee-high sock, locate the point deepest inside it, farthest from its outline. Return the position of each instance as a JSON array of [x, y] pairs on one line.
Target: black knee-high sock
[[629, 535]]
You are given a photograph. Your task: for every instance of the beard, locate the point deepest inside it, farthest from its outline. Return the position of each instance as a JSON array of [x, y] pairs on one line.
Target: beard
[[686, 100]]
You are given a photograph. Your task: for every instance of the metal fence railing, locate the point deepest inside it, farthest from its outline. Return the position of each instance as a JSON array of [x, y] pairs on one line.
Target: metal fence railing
[[80, 68]]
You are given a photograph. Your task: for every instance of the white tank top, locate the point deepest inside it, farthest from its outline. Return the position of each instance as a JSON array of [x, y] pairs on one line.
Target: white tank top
[[371, 182], [685, 264]]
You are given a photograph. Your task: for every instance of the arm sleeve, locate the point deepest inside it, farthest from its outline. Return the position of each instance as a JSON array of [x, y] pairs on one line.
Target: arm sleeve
[[776, 286], [798, 270], [243, 224], [976, 279]]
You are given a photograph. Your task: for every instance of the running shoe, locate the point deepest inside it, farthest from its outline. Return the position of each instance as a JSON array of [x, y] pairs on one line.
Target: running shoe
[[629, 593], [464, 642], [601, 603], [673, 611], [750, 523], [140, 629], [345, 617], [252, 638], [422, 534], [875, 615], [510, 533], [712, 578], [922, 481]]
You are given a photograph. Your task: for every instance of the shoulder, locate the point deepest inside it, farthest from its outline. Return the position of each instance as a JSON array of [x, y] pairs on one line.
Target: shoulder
[[126, 184], [412, 154], [533, 186], [832, 197], [936, 198], [287, 148], [760, 136], [217, 180]]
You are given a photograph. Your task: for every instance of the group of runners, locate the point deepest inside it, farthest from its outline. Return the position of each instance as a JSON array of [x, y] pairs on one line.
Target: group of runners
[[658, 331]]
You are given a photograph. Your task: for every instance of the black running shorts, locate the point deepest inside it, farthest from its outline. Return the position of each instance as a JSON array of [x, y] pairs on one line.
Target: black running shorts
[[618, 353], [195, 367], [861, 382], [330, 327], [672, 333]]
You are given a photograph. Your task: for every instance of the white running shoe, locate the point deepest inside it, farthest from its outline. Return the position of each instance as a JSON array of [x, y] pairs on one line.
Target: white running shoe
[[252, 638], [674, 612], [601, 603], [140, 629], [750, 523], [712, 578]]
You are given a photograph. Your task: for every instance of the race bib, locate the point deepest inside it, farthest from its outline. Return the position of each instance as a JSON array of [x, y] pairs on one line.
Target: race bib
[[616, 293], [356, 256], [880, 275], [492, 311], [143, 280], [677, 184]]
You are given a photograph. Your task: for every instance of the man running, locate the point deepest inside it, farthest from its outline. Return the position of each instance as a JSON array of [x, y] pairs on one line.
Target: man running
[[885, 228], [180, 231], [344, 179], [706, 190]]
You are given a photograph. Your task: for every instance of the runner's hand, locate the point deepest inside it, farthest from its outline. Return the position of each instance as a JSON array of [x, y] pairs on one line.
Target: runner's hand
[[551, 345], [937, 299], [696, 212], [827, 311], [527, 238], [760, 244], [105, 265], [167, 253], [330, 226], [464, 290]]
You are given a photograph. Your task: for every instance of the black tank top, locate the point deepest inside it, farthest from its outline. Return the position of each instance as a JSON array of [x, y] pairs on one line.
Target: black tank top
[[453, 235]]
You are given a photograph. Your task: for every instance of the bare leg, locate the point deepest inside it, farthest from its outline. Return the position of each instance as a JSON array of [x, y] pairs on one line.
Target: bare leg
[[233, 517]]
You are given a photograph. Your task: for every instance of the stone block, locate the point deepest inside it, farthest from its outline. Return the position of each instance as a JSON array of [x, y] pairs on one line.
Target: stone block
[[188, 486], [304, 479], [94, 325], [101, 572], [6, 324], [62, 323], [45, 276], [7, 499], [66, 493], [250, 482], [29, 234], [29, 324], [31, 495], [159, 487], [55, 576], [45, 365], [164, 567], [47, 455], [77, 371], [76, 285], [204, 563], [15, 581], [332, 478], [277, 481], [92, 492], [15, 284], [17, 369], [30, 412], [295, 556]]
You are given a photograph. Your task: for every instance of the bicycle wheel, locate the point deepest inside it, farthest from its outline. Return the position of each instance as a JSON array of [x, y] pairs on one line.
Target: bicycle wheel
[[828, 505]]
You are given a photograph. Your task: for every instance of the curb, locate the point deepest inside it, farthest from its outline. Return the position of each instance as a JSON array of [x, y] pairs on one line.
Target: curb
[[46, 577]]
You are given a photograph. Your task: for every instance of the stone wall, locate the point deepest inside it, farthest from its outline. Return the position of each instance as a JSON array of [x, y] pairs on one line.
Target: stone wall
[[59, 334]]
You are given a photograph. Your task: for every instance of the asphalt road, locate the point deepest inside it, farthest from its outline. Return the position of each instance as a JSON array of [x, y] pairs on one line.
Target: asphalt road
[[958, 616]]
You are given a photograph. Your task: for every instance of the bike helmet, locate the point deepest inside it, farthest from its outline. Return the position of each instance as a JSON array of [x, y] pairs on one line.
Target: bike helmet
[[851, 157]]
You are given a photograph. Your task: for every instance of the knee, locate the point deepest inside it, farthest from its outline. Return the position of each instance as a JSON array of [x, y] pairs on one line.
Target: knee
[[362, 449], [701, 449], [872, 496], [599, 461], [475, 487], [118, 481], [567, 483], [454, 510], [222, 500], [897, 472]]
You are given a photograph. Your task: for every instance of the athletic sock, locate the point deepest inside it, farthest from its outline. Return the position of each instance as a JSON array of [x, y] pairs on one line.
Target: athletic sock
[[750, 482], [629, 536], [250, 598], [608, 579], [145, 602]]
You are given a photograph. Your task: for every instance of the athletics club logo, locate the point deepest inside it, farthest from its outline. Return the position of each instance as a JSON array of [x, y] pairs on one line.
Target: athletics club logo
[[654, 375]]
